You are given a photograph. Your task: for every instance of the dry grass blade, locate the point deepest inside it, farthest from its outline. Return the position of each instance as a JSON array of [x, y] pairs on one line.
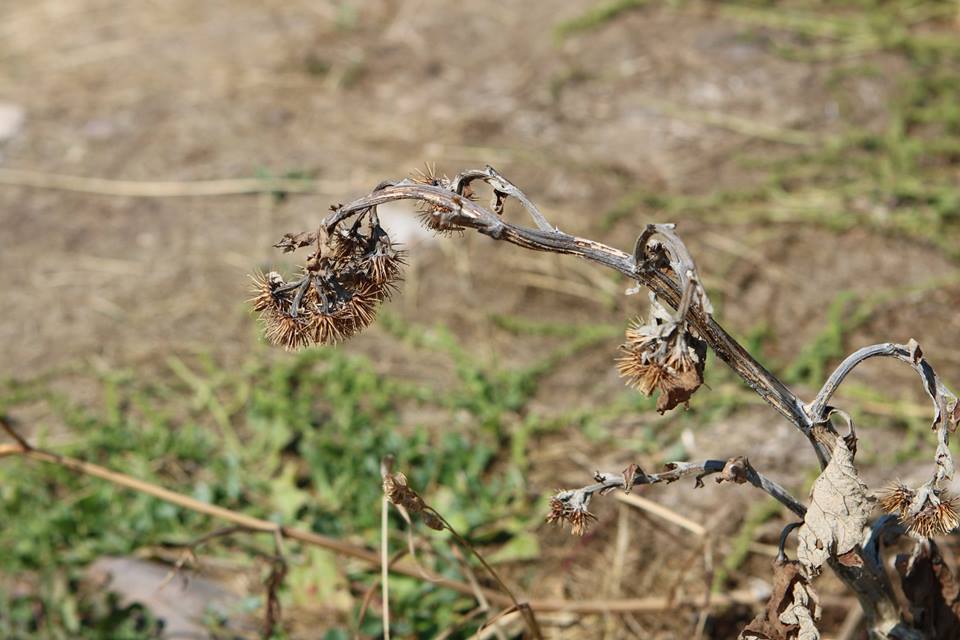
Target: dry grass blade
[[662, 512], [168, 189]]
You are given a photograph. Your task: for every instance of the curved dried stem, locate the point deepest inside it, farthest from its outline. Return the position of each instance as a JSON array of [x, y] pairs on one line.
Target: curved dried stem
[[656, 275], [945, 404], [502, 188], [946, 407]]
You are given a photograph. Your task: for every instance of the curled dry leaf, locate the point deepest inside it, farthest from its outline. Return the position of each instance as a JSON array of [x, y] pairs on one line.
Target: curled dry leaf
[[839, 509], [803, 611], [735, 470], [630, 475], [788, 614], [293, 241]]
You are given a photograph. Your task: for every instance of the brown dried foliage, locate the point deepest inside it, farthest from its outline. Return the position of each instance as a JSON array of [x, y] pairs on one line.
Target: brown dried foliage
[[769, 624]]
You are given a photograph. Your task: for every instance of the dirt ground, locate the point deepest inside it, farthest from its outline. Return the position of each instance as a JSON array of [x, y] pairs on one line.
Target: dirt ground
[[350, 93]]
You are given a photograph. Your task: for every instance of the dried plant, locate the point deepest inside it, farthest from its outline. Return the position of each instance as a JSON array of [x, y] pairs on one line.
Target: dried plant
[[353, 266]]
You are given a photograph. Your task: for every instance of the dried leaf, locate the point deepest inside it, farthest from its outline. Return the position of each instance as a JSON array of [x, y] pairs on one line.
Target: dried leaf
[[799, 612], [838, 511], [735, 470], [946, 404], [293, 241], [787, 614], [630, 476], [943, 458], [677, 390], [767, 624]]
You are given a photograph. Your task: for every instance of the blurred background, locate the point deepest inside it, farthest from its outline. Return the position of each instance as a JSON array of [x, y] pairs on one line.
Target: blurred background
[[808, 151]]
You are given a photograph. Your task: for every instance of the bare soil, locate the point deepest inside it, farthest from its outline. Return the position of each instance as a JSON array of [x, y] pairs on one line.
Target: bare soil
[[351, 93]]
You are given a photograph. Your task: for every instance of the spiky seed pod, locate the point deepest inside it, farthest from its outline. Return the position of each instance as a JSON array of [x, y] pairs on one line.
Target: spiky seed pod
[[573, 511], [386, 267], [361, 309], [642, 376], [347, 247], [429, 176], [936, 518], [384, 264], [642, 337], [660, 356], [580, 520], [896, 499], [264, 285], [288, 332], [558, 510], [326, 329], [430, 215], [341, 285], [281, 327], [433, 217]]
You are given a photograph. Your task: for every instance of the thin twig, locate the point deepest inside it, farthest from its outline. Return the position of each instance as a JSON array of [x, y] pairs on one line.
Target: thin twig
[[165, 189], [385, 566], [10, 431], [566, 505], [385, 468], [368, 595], [482, 604], [945, 403], [523, 607]]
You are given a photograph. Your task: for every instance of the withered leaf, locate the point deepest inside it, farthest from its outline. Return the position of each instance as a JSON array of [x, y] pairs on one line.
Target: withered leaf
[[804, 611], [293, 241], [767, 625], [787, 613], [838, 511], [735, 470], [677, 390], [630, 475]]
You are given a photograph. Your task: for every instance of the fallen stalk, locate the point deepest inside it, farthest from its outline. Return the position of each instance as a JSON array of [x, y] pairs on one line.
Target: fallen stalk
[[164, 189], [250, 523]]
